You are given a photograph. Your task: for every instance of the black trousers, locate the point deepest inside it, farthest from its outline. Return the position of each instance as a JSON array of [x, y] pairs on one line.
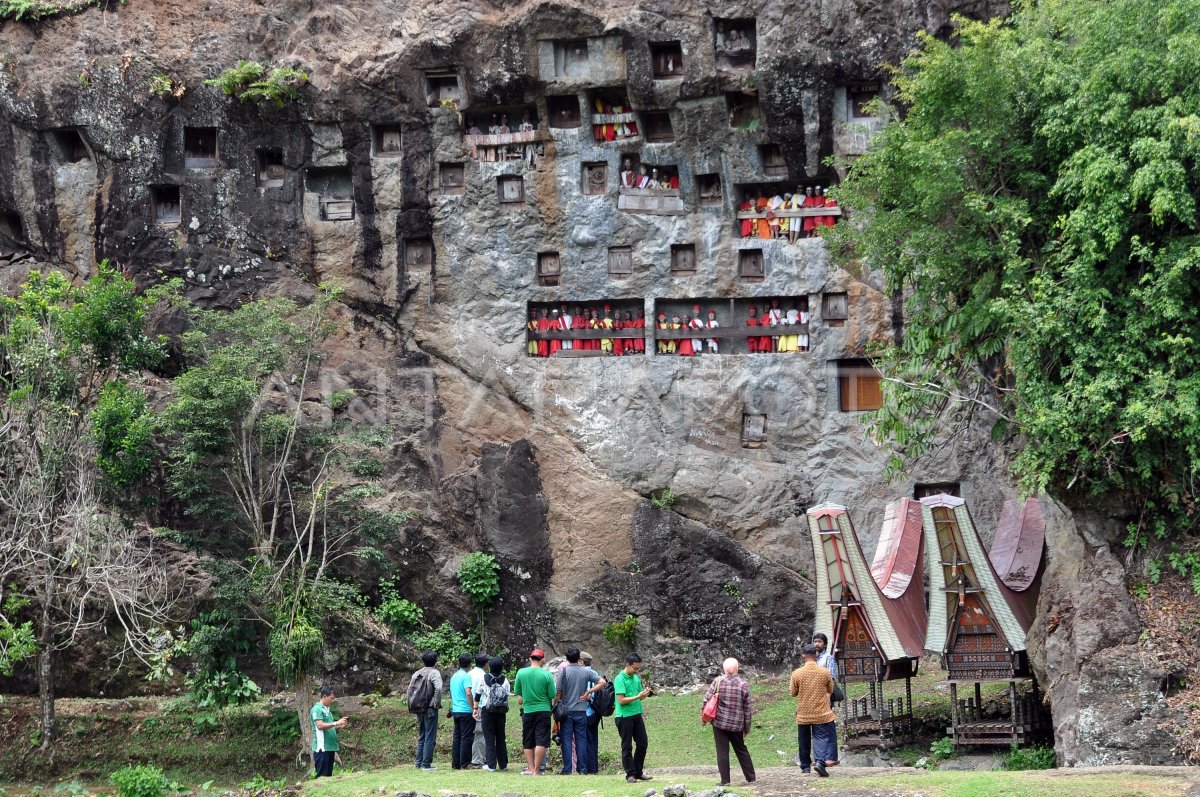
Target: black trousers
[[632, 730], [323, 763], [464, 736], [736, 739], [495, 745]]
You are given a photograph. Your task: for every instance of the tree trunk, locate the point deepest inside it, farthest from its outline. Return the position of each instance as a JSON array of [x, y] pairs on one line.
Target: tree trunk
[[304, 690], [46, 667], [46, 683]]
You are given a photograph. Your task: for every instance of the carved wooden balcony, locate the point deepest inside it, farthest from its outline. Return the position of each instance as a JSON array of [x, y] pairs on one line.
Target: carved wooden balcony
[[651, 201]]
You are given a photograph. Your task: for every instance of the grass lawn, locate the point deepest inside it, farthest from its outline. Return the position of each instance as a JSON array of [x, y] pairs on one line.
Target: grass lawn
[[1051, 783], [490, 784]]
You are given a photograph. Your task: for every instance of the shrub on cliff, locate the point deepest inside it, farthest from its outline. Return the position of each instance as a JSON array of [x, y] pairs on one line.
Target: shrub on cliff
[[1037, 207], [254, 81]]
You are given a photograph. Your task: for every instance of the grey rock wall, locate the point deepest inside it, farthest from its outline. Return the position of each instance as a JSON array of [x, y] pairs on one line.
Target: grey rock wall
[[547, 462]]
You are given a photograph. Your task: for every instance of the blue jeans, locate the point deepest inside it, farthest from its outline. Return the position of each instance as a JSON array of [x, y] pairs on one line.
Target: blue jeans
[[427, 724], [574, 738], [822, 739]]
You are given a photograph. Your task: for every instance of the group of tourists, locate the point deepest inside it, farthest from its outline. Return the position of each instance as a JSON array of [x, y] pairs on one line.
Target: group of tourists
[[569, 704]]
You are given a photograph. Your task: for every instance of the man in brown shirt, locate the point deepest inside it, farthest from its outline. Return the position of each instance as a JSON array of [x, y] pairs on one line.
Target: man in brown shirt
[[812, 685]]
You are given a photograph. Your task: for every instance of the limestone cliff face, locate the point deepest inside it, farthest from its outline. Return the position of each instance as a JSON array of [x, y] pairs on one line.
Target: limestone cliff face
[[548, 463]]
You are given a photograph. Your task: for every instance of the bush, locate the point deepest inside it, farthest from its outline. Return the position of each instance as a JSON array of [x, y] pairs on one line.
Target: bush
[[1036, 757], [258, 82], [399, 614], [366, 466], [479, 577], [663, 499], [446, 642], [140, 781], [622, 633]]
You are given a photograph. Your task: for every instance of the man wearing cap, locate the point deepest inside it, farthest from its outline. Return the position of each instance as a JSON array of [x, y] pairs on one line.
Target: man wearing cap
[[575, 684], [535, 690], [812, 686]]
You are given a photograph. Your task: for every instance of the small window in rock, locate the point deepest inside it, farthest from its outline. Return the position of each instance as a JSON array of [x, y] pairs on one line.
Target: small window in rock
[[563, 110], [709, 188], [859, 386], [937, 488], [199, 147], [620, 262], [69, 145], [11, 231], [754, 430], [511, 190], [442, 87], [735, 42], [772, 160], [613, 118], [418, 254], [270, 171], [450, 178], [666, 60], [387, 141], [834, 309], [594, 179], [164, 204], [571, 58], [859, 99], [549, 269], [658, 126], [683, 260], [336, 188], [743, 110], [750, 265]]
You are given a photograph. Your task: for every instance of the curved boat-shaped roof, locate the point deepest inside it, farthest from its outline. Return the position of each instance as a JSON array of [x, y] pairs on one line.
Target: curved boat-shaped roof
[[842, 572], [898, 552], [958, 566], [1019, 544]]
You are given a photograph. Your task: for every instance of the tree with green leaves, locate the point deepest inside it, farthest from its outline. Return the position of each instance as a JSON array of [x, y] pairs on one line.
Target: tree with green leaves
[[1036, 203], [479, 578], [254, 448], [68, 564]]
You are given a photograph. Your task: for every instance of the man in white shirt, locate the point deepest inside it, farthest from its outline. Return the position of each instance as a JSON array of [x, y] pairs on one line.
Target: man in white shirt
[[478, 744]]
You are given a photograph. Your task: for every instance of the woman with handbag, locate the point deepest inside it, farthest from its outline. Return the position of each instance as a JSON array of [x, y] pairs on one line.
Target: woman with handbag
[[727, 707]]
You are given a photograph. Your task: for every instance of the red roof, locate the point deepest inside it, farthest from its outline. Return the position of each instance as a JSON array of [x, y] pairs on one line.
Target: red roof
[[898, 557], [1017, 556]]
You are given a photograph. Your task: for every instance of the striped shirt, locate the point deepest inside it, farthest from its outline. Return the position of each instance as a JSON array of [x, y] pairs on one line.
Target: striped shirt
[[733, 703]]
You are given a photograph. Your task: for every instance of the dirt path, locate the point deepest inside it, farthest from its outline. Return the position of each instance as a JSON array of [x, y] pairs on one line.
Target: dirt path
[[789, 781]]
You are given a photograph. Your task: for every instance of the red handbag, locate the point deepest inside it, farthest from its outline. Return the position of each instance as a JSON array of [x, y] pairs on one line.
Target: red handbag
[[709, 712]]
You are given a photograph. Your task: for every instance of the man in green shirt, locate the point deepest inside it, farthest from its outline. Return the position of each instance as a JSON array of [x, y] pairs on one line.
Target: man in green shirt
[[325, 743], [535, 691], [630, 724]]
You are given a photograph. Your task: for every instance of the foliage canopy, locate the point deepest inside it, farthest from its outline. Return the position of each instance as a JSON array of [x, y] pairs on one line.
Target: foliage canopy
[[1037, 205]]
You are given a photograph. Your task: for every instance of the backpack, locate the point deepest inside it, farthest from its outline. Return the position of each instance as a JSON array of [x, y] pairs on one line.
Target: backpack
[[604, 701], [497, 695], [420, 692]]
